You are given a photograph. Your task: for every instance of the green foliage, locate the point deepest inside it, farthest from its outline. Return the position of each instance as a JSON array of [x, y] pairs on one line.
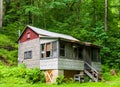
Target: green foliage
[[83, 19], [87, 78], [108, 77], [8, 57], [69, 80], [31, 75], [105, 68], [15, 81], [60, 79], [35, 75]]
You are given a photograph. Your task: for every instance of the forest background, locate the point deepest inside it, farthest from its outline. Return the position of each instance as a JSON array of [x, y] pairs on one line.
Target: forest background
[[95, 21]]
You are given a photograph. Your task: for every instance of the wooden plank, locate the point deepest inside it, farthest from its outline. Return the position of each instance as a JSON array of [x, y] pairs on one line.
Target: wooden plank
[[48, 47]]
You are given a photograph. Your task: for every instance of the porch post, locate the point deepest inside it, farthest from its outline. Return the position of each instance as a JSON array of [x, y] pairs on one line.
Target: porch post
[[84, 57], [58, 48]]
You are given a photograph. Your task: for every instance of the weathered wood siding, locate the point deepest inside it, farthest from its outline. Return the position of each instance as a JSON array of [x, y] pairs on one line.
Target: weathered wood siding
[[69, 64], [58, 63], [49, 64], [31, 45], [97, 65], [68, 50]]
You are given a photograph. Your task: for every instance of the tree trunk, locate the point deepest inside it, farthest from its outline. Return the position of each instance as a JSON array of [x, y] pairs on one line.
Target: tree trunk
[[78, 10], [106, 15], [119, 9], [44, 14], [0, 14], [94, 14]]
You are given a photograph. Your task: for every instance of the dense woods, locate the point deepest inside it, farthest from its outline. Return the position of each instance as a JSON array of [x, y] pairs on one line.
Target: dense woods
[[95, 21]]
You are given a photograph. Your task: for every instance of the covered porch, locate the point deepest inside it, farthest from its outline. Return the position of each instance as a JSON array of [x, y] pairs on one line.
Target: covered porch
[[61, 54]]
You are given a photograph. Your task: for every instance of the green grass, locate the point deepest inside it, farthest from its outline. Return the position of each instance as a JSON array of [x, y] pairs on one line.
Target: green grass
[[10, 80], [21, 82], [18, 82]]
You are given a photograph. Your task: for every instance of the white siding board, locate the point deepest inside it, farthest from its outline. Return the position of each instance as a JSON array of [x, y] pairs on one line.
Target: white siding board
[[49, 64]]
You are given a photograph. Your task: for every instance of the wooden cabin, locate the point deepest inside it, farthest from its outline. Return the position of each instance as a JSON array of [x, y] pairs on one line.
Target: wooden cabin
[[58, 54]]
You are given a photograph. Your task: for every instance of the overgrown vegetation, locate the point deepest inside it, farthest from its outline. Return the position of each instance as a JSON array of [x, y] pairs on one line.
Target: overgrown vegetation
[[62, 79], [21, 77], [35, 75], [30, 75], [8, 50]]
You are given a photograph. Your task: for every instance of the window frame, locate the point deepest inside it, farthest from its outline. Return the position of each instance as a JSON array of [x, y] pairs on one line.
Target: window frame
[[28, 54], [44, 52], [48, 52], [28, 36], [62, 49]]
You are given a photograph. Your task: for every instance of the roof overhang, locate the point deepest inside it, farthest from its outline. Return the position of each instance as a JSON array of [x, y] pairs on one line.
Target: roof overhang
[[64, 39]]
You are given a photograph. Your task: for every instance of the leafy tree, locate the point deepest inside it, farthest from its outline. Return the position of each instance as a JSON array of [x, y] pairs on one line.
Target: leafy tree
[[83, 19]]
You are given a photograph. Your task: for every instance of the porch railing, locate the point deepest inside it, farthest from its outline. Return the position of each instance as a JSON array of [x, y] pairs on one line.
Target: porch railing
[[92, 72]]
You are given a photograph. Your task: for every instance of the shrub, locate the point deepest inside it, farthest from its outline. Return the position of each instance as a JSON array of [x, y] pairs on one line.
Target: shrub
[[60, 80], [87, 78], [69, 80], [31, 75], [35, 75], [107, 76], [105, 68]]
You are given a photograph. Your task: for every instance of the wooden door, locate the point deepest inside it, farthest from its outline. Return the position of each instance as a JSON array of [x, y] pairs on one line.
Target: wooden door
[[49, 76]]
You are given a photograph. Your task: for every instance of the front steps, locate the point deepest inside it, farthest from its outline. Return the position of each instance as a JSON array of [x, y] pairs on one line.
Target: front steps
[[91, 72]]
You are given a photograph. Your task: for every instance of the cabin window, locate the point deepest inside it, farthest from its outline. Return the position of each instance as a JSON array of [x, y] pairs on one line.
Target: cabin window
[[43, 50], [48, 50], [62, 49], [28, 55], [75, 52], [28, 35], [95, 55], [80, 53], [54, 49]]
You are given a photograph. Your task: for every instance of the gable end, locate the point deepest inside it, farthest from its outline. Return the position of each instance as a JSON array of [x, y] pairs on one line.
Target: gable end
[[28, 34]]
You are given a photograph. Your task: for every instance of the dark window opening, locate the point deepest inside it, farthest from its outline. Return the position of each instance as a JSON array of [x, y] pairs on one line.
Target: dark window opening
[[95, 55], [80, 53], [48, 49], [75, 53], [28, 55], [47, 53], [62, 49], [42, 50], [42, 47]]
